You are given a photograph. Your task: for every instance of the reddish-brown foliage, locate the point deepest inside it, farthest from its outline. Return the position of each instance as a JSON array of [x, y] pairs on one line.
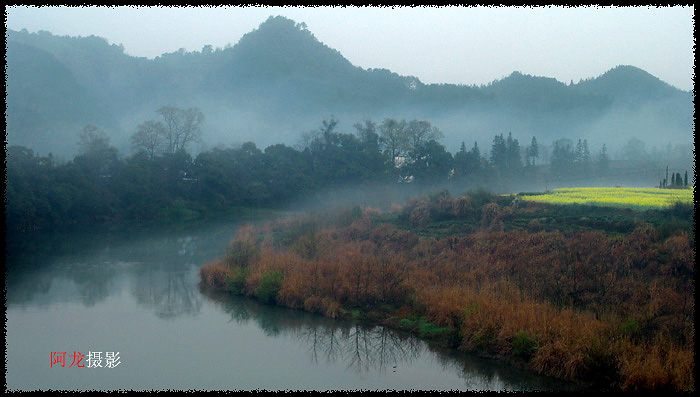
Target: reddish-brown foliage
[[580, 305]]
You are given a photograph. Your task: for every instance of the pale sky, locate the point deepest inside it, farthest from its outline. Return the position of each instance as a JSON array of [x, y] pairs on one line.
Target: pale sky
[[459, 45]]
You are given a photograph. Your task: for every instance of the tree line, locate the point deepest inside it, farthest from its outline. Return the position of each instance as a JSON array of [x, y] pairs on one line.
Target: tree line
[[161, 179]]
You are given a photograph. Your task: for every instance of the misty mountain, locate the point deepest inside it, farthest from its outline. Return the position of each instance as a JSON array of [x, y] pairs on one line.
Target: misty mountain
[[44, 99], [628, 83], [279, 81]]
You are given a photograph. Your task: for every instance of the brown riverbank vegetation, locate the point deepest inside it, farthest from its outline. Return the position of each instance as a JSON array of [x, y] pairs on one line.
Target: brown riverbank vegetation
[[603, 297]]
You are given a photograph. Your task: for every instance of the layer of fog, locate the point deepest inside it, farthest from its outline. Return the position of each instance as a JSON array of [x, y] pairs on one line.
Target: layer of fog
[[229, 123]]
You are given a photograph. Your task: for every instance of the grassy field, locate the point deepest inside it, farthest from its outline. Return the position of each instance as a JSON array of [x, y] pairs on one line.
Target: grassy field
[[638, 198]]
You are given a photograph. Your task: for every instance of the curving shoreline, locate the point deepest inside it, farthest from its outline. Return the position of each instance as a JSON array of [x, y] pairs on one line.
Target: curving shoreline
[[551, 301]]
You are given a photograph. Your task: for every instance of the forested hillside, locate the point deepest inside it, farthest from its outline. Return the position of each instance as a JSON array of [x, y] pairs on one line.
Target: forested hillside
[[279, 81]]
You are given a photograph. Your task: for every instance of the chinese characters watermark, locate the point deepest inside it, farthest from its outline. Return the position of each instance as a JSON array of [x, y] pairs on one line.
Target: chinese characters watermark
[[92, 360]]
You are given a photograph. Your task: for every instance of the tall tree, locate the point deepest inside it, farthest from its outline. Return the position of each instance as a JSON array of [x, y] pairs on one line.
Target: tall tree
[[96, 155], [562, 158], [532, 152], [393, 138], [430, 162], [461, 161], [149, 138], [367, 134], [582, 156], [92, 140], [467, 162], [603, 161], [512, 153], [499, 152], [419, 132], [585, 153], [182, 127], [634, 149]]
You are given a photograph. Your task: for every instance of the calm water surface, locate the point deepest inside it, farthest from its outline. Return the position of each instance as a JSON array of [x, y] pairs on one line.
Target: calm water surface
[[135, 296]]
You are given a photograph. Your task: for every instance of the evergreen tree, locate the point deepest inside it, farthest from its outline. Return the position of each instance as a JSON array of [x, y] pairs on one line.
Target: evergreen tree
[[563, 157], [475, 159], [532, 152], [499, 152], [513, 161], [578, 154], [582, 155], [461, 162], [585, 153], [604, 161]]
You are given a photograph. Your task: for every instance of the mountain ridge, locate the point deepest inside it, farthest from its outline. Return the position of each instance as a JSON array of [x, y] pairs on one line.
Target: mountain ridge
[[285, 80]]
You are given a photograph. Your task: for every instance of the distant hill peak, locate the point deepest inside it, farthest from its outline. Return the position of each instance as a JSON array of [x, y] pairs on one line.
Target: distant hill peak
[[627, 81], [283, 47], [629, 73], [278, 28], [280, 22]]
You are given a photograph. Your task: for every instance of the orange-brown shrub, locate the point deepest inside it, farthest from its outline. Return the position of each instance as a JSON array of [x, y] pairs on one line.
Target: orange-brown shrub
[[213, 276], [462, 207], [656, 366], [617, 309], [491, 217]]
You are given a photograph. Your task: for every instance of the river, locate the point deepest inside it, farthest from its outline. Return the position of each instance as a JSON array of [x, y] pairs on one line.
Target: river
[[123, 311]]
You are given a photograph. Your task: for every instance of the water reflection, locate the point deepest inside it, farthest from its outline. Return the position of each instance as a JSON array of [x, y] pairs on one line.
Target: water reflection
[[367, 349], [363, 348], [168, 294], [158, 273]]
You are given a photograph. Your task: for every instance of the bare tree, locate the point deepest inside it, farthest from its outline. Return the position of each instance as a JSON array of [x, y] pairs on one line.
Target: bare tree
[[92, 140], [96, 153], [149, 138], [180, 127]]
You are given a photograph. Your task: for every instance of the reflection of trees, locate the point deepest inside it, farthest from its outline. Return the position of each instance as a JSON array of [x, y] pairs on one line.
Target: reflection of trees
[[324, 341], [169, 293], [93, 282], [239, 309], [89, 265], [363, 348], [367, 349], [90, 283], [23, 286], [272, 320], [180, 298], [163, 282]]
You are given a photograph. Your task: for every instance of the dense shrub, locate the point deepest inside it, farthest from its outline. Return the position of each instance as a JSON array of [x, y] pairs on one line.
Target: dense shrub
[[269, 286], [524, 345], [594, 305]]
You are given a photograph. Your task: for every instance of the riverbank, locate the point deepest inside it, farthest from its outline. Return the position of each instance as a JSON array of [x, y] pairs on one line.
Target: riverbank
[[594, 299]]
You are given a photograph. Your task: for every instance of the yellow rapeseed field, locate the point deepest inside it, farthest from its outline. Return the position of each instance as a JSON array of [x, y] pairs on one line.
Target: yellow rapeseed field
[[642, 198]]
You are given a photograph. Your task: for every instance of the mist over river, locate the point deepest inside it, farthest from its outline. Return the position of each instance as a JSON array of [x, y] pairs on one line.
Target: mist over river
[[127, 311]]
